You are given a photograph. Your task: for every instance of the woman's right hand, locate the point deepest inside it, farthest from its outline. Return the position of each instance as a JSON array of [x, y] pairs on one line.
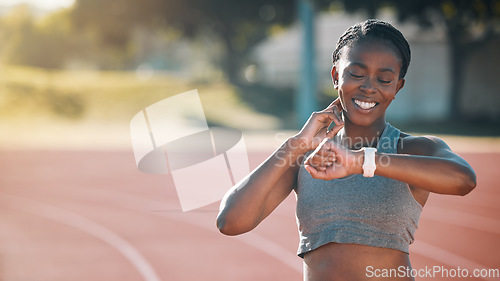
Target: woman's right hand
[[316, 128], [251, 200]]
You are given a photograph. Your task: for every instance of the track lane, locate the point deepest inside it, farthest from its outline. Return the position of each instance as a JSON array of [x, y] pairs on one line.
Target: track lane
[[113, 193]]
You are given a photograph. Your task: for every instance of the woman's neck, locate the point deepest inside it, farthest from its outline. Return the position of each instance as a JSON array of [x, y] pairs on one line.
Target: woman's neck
[[357, 136]]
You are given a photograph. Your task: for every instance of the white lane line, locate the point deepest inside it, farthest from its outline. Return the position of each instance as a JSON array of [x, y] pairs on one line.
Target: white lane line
[[449, 258], [461, 219], [252, 239], [84, 224]]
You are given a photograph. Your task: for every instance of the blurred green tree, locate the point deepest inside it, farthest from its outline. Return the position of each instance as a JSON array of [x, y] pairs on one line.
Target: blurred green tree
[[17, 32], [48, 42], [239, 25]]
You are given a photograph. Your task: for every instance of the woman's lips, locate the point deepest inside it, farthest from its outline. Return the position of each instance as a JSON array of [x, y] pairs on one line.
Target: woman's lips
[[365, 105]]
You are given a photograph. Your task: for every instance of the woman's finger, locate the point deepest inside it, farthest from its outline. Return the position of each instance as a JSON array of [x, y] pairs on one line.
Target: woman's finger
[[327, 117], [320, 161], [322, 155], [317, 174], [329, 114], [334, 108], [336, 102], [333, 131], [327, 157], [336, 111]]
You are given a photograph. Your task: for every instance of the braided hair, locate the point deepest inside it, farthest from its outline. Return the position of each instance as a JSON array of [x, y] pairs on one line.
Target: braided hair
[[377, 29]]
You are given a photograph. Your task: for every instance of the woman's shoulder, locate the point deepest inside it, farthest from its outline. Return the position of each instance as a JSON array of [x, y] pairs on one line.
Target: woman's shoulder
[[420, 145]]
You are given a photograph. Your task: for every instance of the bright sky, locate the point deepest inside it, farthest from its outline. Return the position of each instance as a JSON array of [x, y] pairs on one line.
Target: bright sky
[[42, 4]]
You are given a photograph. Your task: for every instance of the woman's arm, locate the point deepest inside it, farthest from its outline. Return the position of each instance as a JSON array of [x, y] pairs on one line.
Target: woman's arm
[[426, 163], [429, 164], [251, 200]]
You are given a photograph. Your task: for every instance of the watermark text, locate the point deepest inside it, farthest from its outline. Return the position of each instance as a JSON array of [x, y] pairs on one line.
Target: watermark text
[[432, 272]]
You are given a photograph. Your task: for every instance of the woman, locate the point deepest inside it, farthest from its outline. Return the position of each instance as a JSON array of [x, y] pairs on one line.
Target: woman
[[360, 185]]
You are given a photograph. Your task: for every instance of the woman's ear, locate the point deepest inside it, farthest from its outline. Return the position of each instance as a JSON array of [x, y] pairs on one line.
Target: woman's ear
[[401, 84], [335, 77]]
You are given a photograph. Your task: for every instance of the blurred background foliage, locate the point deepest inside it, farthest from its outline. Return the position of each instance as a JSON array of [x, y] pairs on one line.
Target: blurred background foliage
[[106, 60]]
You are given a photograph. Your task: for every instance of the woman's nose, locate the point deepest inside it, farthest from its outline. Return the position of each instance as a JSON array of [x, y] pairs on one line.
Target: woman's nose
[[368, 86]]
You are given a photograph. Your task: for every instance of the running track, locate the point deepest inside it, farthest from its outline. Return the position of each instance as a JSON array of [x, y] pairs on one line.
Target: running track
[[91, 215]]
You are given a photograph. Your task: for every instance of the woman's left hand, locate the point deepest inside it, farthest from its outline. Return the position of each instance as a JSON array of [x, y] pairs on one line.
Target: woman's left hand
[[331, 160]]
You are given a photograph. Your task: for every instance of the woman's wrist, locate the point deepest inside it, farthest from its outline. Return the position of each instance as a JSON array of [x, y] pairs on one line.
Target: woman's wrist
[[297, 145], [359, 158], [290, 153]]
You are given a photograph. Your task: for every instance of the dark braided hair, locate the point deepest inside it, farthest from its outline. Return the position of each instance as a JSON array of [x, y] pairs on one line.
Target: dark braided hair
[[377, 29]]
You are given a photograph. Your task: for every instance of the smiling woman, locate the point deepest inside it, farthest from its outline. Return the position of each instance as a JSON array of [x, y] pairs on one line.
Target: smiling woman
[[362, 186]]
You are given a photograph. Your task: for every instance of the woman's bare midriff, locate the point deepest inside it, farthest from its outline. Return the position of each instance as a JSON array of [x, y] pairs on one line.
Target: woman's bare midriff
[[352, 262]]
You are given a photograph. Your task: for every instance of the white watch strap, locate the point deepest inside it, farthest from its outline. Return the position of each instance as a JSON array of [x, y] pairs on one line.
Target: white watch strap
[[369, 166]]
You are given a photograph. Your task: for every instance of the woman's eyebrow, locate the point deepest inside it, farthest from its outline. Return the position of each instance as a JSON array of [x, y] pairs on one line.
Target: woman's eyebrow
[[357, 64], [387, 69]]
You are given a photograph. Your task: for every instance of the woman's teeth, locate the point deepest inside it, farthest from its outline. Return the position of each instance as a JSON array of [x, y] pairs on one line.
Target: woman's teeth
[[364, 104]]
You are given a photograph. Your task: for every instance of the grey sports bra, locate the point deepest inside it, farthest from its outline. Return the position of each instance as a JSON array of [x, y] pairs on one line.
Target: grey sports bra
[[377, 211]]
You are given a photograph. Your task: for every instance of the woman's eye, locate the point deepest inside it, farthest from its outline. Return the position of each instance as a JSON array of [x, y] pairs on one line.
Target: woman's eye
[[355, 76]]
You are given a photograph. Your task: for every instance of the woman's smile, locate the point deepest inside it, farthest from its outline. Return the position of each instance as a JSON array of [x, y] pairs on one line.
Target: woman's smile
[[364, 106]]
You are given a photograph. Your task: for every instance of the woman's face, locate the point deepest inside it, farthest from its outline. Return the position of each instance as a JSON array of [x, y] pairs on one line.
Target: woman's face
[[367, 79]]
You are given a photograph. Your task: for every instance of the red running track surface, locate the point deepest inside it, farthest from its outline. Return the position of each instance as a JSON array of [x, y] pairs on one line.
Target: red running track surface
[[91, 215]]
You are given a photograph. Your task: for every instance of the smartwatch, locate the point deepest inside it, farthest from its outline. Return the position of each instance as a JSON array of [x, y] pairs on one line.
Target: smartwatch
[[369, 162]]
